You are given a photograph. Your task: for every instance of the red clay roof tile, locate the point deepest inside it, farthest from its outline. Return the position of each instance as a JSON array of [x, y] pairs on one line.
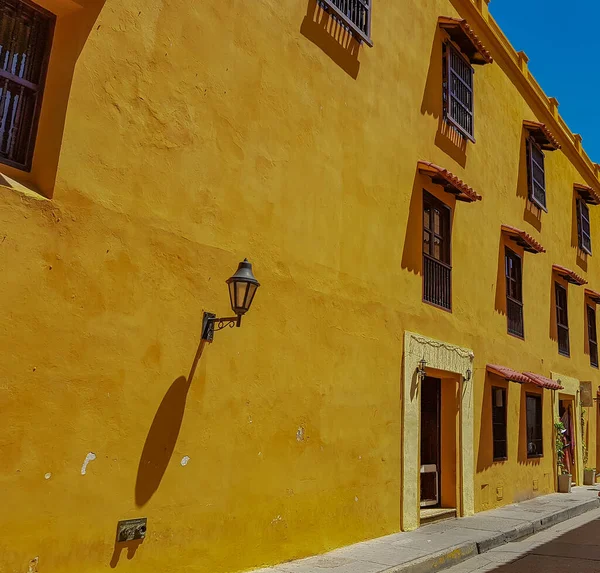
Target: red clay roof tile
[[523, 239], [450, 182], [468, 41], [542, 135], [569, 276], [587, 194], [543, 382]]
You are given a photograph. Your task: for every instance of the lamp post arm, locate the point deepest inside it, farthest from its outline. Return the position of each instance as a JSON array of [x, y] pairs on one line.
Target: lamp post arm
[[211, 324]]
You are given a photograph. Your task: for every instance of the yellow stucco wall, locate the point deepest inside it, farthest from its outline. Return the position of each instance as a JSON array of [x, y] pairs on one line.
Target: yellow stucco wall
[[200, 133]]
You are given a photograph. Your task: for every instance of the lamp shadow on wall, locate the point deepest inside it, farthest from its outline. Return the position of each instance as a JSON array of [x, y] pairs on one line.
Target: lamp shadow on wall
[[323, 31], [412, 255], [500, 302], [447, 138], [162, 436], [131, 546]]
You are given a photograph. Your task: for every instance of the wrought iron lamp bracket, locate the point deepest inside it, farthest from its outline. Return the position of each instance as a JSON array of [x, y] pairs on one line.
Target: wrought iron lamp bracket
[[211, 324]]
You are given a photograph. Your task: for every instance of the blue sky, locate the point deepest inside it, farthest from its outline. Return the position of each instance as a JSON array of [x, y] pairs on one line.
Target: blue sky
[[562, 42]]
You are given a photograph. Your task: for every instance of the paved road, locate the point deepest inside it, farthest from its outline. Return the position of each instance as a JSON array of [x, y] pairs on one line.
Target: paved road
[[572, 546]]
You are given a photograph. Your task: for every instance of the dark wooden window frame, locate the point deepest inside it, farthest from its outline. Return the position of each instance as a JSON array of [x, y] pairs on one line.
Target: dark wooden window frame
[[584, 229], [499, 426], [514, 296], [532, 181], [539, 429], [26, 134], [429, 260], [562, 318], [592, 334], [449, 48]]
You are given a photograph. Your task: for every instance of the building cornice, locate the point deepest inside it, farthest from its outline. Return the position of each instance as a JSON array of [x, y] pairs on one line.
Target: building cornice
[[478, 15]]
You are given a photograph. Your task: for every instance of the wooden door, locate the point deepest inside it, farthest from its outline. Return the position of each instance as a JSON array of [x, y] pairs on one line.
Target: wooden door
[[430, 441]]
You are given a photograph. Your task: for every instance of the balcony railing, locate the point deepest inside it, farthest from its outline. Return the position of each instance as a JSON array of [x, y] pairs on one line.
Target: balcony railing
[[437, 282], [354, 15], [594, 353], [563, 340], [514, 314]]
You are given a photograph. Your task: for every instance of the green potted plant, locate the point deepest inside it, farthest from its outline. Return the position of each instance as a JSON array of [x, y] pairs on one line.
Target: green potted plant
[[564, 478]]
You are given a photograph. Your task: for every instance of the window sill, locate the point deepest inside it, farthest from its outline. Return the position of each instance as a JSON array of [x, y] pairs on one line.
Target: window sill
[[535, 457], [518, 336], [449, 310], [500, 460], [566, 355], [28, 190]]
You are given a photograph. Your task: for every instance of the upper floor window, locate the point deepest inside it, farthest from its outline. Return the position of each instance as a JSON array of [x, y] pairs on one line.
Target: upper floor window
[[499, 423], [583, 226], [592, 335], [437, 272], [535, 443], [562, 319], [25, 38], [514, 293], [536, 175], [458, 91], [354, 15]]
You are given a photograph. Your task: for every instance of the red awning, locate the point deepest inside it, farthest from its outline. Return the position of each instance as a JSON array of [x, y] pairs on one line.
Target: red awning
[[523, 239], [507, 373], [462, 34], [595, 296], [542, 135], [569, 275], [450, 182], [587, 194], [543, 382]]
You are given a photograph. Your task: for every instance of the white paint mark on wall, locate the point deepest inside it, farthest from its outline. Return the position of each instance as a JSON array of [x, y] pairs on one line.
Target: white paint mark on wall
[[47, 476], [33, 565], [185, 460], [300, 434], [89, 458], [355, 498], [278, 518]]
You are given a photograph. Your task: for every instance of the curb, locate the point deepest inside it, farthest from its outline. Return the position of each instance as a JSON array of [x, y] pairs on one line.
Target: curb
[[459, 553]]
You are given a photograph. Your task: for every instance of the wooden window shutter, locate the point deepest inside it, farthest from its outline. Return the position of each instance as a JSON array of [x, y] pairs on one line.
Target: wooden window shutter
[[536, 174], [458, 96], [583, 227]]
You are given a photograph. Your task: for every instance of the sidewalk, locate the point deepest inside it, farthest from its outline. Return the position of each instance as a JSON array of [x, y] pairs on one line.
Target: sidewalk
[[444, 544]]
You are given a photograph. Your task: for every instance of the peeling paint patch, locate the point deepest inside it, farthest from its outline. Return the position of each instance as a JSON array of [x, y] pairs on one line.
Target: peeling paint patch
[[89, 458], [33, 565], [300, 434], [185, 460], [47, 476]]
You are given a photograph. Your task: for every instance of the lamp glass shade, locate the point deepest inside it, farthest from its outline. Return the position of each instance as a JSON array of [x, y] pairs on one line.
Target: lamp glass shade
[[242, 288]]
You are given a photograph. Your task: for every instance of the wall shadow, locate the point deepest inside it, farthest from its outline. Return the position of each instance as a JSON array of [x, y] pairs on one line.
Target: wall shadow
[[412, 255], [500, 301], [553, 326], [325, 32], [485, 455], [131, 546], [447, 138], [586, 340], [162, 436]]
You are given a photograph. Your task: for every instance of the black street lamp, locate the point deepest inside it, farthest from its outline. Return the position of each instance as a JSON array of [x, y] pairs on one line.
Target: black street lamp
[[242, 288]]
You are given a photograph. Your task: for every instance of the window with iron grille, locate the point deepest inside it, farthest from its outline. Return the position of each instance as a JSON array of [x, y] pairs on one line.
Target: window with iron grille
[[25, 37], [536, 175], [458, 91], [535, 443], [499, 423], [355, 15], [583, 226], [514, 293], [437, 272], [592, 335], [562, 319]]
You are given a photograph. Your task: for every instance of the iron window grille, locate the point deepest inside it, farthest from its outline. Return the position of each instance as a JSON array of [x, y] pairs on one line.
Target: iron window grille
[[500, 444], [25, 38], [353, 15], [437, 271], [514, 293], [535, 442], [562, 319], [583, 227], [592, 335], [458, 91], [536, 176]]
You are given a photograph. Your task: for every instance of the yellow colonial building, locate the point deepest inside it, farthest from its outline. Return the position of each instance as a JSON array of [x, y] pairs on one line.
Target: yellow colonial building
[[421, 221]]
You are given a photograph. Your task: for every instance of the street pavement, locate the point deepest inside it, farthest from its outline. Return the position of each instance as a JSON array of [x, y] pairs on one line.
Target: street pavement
[[571, 546]]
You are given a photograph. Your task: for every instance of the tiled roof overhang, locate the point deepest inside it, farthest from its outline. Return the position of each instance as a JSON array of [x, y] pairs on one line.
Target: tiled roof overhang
[[587, 194], [541, 135], [569, 276], [523, 239], [543, 382], [450, 182], [523, 377], [462, 34], [595, 296], [507, 373]]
